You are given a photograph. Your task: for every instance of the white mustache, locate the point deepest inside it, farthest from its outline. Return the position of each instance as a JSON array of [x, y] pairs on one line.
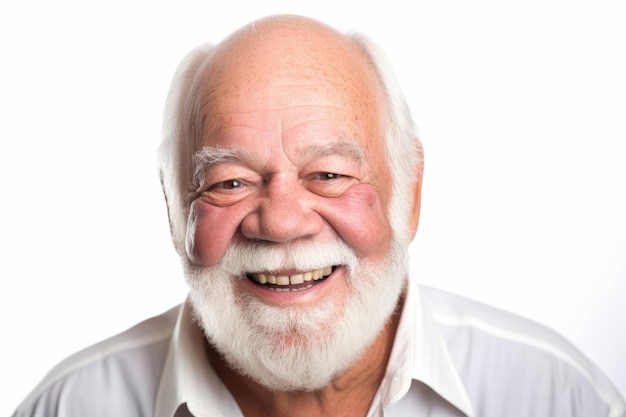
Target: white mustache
[[246, 257]]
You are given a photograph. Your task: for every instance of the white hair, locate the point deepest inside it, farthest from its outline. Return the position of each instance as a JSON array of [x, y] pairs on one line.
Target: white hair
[[288, 348], [179, 141], [182, 124], [402, 143]]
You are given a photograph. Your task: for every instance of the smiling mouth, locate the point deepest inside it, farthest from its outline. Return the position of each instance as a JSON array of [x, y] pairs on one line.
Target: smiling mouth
[[297, 282]]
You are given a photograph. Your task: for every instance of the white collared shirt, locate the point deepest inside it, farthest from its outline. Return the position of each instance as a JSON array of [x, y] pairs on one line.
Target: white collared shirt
[[452, 357]]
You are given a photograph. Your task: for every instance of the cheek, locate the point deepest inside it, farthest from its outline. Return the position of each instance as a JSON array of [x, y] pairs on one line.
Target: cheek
[[360, 219], [209, 232]]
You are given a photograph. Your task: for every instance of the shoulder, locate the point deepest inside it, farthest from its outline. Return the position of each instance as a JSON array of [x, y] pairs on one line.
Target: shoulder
[[116, 377], [503, 356]]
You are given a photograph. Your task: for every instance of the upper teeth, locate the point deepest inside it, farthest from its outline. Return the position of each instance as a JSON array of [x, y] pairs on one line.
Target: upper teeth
[[292, 279]]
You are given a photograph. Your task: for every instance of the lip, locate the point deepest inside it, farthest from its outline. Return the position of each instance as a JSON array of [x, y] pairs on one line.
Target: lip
[[301, 294]]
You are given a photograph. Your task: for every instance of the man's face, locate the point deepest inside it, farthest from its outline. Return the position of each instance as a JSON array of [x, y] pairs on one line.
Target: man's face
[[304, 162], [292, 172]]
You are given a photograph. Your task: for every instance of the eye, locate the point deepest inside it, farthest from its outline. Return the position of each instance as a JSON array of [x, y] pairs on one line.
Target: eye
[[226, 185], [327, 176], [329, 184], [227, 192]]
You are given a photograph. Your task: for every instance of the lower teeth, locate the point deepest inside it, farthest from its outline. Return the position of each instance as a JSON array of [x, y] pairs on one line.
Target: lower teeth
[[288, 289]]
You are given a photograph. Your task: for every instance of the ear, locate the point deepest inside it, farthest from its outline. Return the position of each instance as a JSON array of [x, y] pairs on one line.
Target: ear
[[417, 198]]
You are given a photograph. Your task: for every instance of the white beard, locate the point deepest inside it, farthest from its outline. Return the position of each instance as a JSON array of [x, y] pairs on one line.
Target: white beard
[[295, 348]]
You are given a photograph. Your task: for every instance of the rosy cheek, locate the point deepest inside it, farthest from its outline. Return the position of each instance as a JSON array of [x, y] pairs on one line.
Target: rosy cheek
[[360, 219], [211, 229]]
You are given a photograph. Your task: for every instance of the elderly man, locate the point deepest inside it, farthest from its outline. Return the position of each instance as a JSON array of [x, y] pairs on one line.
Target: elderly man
[[292, 175]]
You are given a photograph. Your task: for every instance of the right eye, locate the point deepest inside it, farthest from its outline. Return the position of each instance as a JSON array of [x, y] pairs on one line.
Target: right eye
[[226, 185], [227, 192]]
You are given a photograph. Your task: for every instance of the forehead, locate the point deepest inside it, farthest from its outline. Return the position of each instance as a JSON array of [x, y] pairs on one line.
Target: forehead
[[287, 74]]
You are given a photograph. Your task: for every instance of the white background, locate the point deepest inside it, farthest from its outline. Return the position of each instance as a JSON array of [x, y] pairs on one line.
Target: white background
[[521, 107]]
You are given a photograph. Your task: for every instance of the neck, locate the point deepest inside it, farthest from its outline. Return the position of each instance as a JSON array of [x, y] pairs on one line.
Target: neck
[[349, 394]]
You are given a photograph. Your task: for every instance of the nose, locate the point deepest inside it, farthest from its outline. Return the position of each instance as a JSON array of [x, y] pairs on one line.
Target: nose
[[285, 212]]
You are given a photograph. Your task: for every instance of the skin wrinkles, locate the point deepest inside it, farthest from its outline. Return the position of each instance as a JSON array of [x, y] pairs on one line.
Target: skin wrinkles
[[333, 76], [294, 120], [211, 157]]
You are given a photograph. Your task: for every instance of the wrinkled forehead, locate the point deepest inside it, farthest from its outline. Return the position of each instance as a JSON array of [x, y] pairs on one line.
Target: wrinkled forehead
[[293, 63]]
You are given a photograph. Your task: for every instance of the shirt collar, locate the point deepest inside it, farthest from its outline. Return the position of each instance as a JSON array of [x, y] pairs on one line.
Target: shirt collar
[[419, 353], [188, 377]]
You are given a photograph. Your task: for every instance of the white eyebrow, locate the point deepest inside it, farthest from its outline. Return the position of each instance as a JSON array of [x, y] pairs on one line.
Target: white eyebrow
[[341, 147], [210, 156]]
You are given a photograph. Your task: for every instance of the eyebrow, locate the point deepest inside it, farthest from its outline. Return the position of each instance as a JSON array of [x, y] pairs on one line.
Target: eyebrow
[[210, 156], [340, 147]]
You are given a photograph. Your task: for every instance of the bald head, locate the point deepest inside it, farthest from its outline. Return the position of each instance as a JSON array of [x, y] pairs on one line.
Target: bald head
[[290, 42], [281, 61], [282, 42]]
